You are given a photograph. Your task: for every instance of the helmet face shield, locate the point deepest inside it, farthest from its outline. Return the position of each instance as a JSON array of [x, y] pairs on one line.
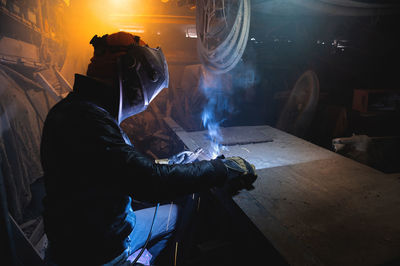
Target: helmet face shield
[[143, 73], [153, 73]]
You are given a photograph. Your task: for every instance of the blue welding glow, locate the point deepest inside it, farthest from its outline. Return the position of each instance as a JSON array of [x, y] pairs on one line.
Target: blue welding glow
[[214, 132], [213, 113]]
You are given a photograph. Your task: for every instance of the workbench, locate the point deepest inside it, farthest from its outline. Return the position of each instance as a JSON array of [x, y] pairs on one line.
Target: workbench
[[314, 206]]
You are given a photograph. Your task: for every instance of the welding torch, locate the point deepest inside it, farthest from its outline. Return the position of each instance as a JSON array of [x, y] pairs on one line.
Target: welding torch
[[182, 157]]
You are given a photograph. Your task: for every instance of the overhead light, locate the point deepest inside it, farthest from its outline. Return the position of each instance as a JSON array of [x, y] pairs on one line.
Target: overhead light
[[191, 32], [132, 30]]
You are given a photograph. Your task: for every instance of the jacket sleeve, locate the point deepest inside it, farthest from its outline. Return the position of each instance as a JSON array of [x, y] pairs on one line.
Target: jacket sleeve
[[141, 176]]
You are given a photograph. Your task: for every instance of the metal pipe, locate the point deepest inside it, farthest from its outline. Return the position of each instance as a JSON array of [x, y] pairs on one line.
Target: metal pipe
[[45, 84], [64, 83]]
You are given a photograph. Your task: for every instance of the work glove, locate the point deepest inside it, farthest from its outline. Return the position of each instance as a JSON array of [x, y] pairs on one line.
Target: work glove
[[182, 157], [241, 174]]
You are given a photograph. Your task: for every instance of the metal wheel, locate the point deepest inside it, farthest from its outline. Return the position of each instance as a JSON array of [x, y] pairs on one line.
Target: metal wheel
[[299, 109]]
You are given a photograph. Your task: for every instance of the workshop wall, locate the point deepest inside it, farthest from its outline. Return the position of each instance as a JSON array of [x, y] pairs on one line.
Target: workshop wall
[[23, 109]]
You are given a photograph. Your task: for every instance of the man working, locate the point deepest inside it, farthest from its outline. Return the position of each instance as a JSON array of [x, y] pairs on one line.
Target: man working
[[92, 172]]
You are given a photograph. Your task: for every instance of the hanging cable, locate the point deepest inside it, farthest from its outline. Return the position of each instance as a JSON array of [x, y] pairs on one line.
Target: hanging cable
[[226, 53], [148, 237]]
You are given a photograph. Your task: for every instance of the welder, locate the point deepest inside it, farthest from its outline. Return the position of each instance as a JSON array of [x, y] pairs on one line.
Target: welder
[[92, 171]]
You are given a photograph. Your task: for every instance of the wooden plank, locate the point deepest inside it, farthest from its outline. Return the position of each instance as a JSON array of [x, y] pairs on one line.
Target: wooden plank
[[336, 212], [290, 247], [316, 207]]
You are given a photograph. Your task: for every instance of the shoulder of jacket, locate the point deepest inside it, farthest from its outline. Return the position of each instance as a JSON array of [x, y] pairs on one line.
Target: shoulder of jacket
[[78, 111]]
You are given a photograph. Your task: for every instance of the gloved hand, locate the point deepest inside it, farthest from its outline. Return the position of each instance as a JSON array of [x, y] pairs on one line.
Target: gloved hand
[[182, 157], [241, 174]]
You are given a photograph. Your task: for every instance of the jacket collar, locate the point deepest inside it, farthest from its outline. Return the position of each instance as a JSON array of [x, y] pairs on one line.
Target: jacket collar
[[95, 91]]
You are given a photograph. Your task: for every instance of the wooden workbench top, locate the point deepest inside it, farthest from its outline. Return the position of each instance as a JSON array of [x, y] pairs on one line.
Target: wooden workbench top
[[315, 207], [327, 212]]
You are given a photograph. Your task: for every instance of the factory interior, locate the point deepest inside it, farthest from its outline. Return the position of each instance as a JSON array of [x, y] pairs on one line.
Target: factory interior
[[305, 90]]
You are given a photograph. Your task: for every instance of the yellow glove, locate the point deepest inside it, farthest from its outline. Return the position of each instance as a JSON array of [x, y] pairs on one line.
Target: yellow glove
[[241, 174]]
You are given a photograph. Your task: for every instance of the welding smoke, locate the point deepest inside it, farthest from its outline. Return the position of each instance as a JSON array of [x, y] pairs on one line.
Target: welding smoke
[[230, 99], [216, 88]]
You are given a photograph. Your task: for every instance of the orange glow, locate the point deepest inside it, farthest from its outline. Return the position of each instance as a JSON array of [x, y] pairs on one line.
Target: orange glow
[[132, 30], [90, 17], [84, 19]]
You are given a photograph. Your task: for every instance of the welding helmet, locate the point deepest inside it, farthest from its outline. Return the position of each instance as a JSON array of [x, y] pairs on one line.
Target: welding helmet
[[143, 73]]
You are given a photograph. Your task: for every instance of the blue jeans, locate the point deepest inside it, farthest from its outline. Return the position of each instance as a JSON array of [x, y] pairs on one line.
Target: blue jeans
[[163, 228]]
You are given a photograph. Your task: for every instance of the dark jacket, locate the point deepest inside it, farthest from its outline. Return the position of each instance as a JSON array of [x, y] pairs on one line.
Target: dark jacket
[[91, 173]]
